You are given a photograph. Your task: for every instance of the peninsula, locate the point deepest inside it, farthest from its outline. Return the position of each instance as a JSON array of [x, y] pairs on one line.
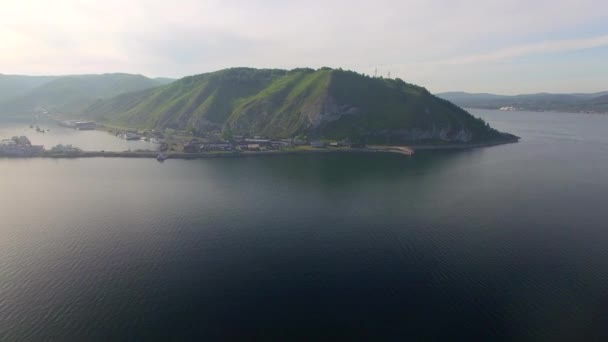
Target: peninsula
[[244, 111], [21, 147]]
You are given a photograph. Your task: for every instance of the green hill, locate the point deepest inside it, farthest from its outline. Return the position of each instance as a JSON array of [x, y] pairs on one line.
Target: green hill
[[324, 103], [70, 95]]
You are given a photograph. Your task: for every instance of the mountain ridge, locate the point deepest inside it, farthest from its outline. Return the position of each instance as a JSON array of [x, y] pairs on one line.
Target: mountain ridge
[[70, 94], [16, 85], [323, 103], [587, 102]]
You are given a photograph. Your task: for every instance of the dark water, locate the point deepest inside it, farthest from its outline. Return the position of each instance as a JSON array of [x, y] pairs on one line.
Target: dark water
[[501, 243]]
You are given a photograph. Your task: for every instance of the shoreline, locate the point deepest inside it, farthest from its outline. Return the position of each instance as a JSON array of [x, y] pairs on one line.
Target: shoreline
[[402, 150], [512, 140]]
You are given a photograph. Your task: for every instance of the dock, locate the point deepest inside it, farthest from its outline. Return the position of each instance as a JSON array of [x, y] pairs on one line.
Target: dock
[[405, 150], [402, 150]]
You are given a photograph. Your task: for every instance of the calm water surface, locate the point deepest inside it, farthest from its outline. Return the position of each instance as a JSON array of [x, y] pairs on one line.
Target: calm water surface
[[86, 140], [501, 243]]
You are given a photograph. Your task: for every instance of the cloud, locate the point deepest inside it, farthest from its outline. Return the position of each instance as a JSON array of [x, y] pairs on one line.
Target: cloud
[[529, 49], [508, 53], [188, 47], [182, 37]]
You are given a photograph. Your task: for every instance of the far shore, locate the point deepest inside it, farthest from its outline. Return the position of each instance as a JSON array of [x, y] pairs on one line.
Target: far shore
[[402, 150]]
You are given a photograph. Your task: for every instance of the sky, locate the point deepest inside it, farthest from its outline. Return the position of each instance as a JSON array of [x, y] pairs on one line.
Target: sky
[[505, 47]]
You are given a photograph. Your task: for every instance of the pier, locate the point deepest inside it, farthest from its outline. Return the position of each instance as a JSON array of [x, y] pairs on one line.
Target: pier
[[231, 154]]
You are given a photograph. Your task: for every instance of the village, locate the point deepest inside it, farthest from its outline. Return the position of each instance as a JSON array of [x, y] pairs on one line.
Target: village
[[259, 143], [173, 144], [21, 146], [170, 140]]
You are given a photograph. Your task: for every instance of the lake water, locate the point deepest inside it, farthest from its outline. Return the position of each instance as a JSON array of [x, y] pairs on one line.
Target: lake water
[[501, 243], [86, 140]]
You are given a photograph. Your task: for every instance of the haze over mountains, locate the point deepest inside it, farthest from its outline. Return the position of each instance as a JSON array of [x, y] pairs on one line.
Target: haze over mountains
[[577, 102], [66, 95], [322, 103], [12, 86]]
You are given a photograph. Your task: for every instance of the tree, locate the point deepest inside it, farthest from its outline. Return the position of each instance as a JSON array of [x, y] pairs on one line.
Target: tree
[[227, 133]]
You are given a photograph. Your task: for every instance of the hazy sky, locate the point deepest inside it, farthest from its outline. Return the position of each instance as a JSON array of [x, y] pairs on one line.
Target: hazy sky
[[509, 46]]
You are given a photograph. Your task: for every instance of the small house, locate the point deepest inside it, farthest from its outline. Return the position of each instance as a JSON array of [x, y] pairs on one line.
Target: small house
[[192, 147]]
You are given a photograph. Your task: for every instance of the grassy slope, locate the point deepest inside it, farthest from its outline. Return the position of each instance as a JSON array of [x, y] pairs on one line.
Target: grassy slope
[[279, 110], [279, 103], [192, 102]]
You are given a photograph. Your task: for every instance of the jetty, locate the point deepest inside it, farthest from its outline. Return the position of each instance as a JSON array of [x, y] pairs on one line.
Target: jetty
[[402, 150]]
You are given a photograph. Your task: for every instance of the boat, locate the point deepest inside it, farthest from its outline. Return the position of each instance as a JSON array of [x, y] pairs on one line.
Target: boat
[[162, 157], [130, 136]]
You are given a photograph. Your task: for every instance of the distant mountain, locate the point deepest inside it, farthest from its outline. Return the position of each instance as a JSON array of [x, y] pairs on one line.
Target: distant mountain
[[163, 80], [16, 85], [600, 100], [69, 95], [324, 103], [542, 101]]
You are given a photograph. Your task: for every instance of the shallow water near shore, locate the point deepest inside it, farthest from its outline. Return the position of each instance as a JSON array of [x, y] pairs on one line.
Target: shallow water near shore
[[506, 242], [85, 140]]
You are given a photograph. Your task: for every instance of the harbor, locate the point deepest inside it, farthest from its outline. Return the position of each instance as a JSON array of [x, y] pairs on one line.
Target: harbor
[[180, 145], [69, 152]]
